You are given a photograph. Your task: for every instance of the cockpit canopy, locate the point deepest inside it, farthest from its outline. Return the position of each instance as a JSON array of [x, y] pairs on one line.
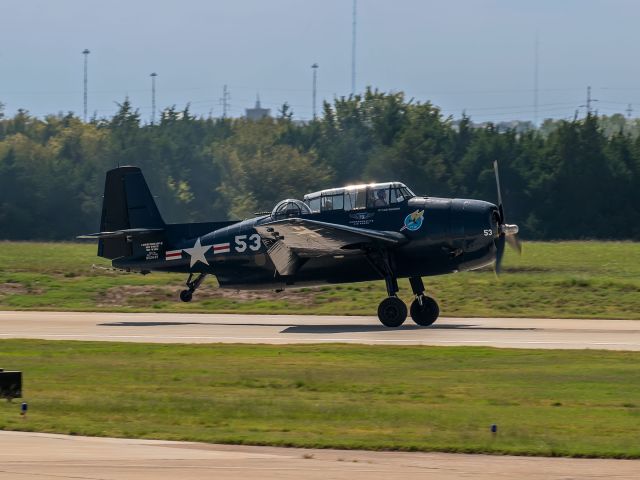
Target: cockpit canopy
[[358, 197], [289, 208]]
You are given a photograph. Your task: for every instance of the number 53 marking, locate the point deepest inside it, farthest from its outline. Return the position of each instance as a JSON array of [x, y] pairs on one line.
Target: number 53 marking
[[253, 243]]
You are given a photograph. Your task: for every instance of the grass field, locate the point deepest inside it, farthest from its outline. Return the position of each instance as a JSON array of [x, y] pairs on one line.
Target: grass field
[[570, 403], [567, 279]]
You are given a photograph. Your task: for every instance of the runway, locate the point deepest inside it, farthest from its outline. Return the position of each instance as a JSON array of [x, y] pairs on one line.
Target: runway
[[284, 329], [37, 456]]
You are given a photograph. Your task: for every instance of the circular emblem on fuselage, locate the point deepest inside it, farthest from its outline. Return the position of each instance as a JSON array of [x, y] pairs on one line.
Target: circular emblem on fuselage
[[413, 221]]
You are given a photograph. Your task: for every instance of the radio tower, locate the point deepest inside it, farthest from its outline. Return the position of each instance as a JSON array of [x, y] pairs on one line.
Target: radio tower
[[86, 53], [353, 49], [315, 85], [153, 97], [224, 101]]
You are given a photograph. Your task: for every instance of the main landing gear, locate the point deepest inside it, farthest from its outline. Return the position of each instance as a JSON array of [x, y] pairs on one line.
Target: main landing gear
[[392, 311], [192, 284]]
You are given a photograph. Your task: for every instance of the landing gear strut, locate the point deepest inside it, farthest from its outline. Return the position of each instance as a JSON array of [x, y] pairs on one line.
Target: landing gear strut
[[392, 311], [192, 284], [424, 310]]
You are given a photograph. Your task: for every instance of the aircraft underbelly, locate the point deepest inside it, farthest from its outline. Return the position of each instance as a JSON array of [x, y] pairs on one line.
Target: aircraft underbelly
[[339, 269]]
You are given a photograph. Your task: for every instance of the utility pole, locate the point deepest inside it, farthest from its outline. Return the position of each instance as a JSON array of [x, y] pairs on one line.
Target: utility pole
[[353, 49], [224, 101], [315, 86], [86, 53], [535, 82], [629, 111], [153, 97]]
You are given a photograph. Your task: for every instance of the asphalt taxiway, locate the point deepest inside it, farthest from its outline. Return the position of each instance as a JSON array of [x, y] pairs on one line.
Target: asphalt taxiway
[[38, 456], [283, 329]]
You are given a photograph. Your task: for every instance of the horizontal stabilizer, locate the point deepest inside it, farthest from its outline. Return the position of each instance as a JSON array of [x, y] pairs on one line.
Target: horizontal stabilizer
[[130, 232]]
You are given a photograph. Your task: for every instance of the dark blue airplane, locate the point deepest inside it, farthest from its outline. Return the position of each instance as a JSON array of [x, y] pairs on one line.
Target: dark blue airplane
[[380, 231]]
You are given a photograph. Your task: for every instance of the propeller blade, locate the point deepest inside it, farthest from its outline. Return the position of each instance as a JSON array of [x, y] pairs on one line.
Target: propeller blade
[[507, 233], [514, 242], [497, 173], [500, 242]]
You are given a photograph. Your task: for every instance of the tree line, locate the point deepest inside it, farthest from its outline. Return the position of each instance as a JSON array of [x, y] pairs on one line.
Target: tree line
[[570, 180]]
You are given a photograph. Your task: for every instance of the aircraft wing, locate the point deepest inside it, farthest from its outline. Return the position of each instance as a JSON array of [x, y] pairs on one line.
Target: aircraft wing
[[294, 239]]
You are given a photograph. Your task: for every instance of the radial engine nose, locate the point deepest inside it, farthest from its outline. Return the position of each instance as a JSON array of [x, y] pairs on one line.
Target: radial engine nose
[[474, 219]]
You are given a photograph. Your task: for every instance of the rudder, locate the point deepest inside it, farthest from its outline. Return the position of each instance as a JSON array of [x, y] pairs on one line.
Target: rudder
[[127, 204]]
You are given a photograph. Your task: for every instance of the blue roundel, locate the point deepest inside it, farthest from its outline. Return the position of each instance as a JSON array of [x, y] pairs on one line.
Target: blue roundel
[[411, 224]]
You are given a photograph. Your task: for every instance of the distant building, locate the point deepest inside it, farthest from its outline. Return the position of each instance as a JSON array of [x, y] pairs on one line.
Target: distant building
[[257, 112], [518, 126]]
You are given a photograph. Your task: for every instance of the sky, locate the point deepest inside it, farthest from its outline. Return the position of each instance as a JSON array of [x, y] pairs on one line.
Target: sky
[[476, 56]]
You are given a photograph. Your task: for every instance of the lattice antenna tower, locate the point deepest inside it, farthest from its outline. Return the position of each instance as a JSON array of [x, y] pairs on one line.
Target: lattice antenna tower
[[224, 101]]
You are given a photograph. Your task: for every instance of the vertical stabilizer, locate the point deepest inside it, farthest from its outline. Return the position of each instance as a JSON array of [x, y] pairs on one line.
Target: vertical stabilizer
[[127, 204]]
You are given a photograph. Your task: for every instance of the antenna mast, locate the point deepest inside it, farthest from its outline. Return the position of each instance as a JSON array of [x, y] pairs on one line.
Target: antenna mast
[[535, 82], [86, 53], [153, 97], [315, 85], [353, 49]]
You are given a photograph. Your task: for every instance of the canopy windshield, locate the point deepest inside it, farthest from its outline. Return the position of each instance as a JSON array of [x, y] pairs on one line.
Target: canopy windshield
[[359, 197]]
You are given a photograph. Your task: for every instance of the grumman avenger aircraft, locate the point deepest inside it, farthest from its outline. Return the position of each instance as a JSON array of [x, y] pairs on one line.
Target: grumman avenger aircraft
[[380, 231]]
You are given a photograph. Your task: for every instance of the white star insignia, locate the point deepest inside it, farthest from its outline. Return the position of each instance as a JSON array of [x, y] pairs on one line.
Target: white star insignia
[[197, 253]]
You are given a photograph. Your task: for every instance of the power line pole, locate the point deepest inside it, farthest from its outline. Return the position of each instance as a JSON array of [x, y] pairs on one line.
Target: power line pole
[[315, 85], [153, 97], [353, 49], [589, 100], [535, 82], [224, 101], [629, 111], [86, 53]]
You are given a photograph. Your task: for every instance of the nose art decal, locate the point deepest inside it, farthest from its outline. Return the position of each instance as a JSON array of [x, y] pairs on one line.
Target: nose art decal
[[413, 221]]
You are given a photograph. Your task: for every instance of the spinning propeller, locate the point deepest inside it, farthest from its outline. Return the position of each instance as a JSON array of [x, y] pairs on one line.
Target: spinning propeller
[[506, 233]]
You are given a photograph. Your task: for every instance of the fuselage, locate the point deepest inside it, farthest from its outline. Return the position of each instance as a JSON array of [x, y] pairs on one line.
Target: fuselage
[[442, 236]]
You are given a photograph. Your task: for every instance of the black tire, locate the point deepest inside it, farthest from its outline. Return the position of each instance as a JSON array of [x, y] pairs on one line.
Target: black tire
[[186, 295], [425, 314], [392, 312]]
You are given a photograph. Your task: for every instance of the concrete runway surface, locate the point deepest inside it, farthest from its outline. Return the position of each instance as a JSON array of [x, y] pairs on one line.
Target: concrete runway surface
[[282, 329], [37, 456]]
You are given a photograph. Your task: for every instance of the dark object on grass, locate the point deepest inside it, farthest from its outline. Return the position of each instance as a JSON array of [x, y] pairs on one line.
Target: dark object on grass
[[494, 428], [10, 384]]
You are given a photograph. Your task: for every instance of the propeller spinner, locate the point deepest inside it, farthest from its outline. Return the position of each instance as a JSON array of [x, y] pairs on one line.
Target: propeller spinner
[[506, 233]]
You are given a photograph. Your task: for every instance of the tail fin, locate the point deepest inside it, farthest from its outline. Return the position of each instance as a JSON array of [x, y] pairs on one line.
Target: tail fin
[[127, 205]]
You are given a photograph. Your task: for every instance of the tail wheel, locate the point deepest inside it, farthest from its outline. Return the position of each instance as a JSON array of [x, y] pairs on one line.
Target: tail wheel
[[426, 312], [392, 312]]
